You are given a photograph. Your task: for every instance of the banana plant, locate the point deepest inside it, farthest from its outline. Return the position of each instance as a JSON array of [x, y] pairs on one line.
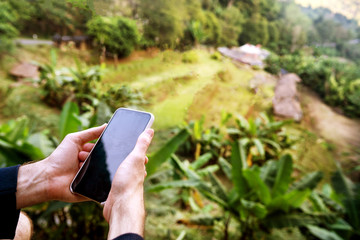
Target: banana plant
[[18, 144], [202, 139], [261, 139], [186, 176], [258, 196], [348, 194]]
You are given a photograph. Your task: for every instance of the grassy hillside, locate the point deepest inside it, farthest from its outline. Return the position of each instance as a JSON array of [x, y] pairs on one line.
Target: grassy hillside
[[177, 92]]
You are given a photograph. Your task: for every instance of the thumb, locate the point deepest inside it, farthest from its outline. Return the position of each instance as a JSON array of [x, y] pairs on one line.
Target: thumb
[[143, 141], [90, 134]]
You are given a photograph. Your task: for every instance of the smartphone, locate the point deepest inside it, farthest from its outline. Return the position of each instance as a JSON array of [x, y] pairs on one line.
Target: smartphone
[[95, 176]]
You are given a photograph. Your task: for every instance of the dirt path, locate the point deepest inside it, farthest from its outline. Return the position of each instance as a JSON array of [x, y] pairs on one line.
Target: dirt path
[[332, 126]]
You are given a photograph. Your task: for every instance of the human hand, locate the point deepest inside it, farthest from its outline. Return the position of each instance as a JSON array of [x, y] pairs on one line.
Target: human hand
[[66, 160], [50, 178], [124, 207]]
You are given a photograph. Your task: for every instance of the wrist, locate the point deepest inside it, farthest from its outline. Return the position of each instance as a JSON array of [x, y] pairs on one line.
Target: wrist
[[32, 185], [127, 214]]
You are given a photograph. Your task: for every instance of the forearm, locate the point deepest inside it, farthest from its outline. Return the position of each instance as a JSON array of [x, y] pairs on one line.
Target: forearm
[[32, 185], [128, 215]]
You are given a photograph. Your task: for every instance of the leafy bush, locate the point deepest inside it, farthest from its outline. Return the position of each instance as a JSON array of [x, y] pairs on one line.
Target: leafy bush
[[260, 139], [60, 85], [258, 198], [120, 96], [82, 85], [8, 31], [19, 145], [231, 26], [334, 80], [118, 35], [163, 23], [273, 64], [190, 57], [216, 56]]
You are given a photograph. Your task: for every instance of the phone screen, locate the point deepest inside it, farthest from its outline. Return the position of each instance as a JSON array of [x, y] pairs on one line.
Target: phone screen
[[115, 144]]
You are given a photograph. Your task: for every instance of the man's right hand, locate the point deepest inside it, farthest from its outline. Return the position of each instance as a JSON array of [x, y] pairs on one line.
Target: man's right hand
[[124, 208]]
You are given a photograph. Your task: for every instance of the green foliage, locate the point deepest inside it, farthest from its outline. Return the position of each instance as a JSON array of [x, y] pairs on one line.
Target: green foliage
[[334, 80], [197, 31], [82, 85], [293, 26], [253, 200], [259, 198], [231, 26], [45, 18], [349, 194], [260, 139], [272, 64], [257, 31], [216, 56], [68, 119], [119, 96], [163, 22], [212, 28], [163, 154], [60, 85], [118, 35], [190, 57], [8, 31], [18, 144]]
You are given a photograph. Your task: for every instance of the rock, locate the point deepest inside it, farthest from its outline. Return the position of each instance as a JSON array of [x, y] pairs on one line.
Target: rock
[[247, 54], [286, 101], [25, 70]]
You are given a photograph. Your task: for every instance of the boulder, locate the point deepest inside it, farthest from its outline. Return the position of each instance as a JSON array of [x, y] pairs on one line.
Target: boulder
[[286, 102], [25, 70]]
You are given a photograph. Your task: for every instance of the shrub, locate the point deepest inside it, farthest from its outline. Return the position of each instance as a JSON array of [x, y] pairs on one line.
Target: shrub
[[273, 64], [190, 57], [163, 23], [8, 31], [334, 80], [59, 85], [118, 35], [216, 56]]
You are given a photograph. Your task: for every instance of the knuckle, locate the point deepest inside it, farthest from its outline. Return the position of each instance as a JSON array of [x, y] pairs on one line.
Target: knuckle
[[144, 141]]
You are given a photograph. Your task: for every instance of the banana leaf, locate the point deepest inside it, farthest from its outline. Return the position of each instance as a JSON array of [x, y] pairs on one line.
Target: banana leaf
[[226, 167], [310, 180], [201, 161], [322, 233], [254, 208], [238, 164], [173, 184], [349, 195], [283, 176], [257, 185], [68, 120], [164, 153]]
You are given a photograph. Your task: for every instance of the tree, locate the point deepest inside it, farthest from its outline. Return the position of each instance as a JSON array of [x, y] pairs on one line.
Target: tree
[[256, 30], [118, 35], [8, 31], [52, 16], [163, 22], [231, 25], [293, 27]]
